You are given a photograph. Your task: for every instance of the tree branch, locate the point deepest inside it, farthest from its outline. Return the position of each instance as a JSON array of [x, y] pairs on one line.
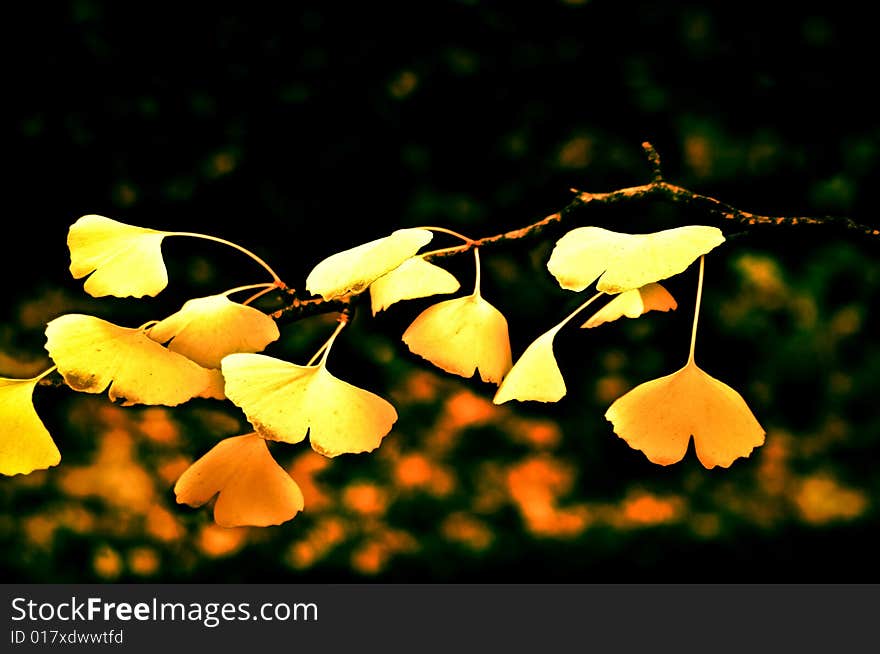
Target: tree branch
[[296, 306], [654, 160], [658, 188]]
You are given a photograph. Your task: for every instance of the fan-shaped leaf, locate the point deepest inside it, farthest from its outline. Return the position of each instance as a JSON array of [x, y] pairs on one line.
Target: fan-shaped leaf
[[412, 279], [25, 444], [623, 262], [660, 416], [253, 489], [284, 401], [535, 375], [215, 387], [461, 336], [92, 354], [352, 271], [634, 303], [123, 260], [206, 329]]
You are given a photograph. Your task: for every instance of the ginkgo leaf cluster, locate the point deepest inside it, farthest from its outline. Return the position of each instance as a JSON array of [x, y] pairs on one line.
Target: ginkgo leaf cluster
[[210, 348], [352, 271], [628, 265], [536, 375], [94, 355], [659, 417]]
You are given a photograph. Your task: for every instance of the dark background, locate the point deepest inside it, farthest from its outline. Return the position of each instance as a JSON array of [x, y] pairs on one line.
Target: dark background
[[303, 131]]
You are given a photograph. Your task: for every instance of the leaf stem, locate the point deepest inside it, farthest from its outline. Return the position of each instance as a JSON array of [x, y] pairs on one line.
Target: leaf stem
[[241, 249], [578, 310], [444, 230], [260, 294], [697, 311], [434, 253], [42, 374], [477, 274], [325, 348], [468, 241], [267, 286]]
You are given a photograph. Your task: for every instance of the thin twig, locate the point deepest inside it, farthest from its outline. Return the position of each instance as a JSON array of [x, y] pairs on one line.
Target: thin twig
[[654, 160], [657, 189], [296, 306]]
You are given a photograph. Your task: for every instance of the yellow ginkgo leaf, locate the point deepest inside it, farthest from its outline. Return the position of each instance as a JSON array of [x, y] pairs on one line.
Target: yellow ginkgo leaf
[[660, 416], [284, 401], [253, 489], [412, 279], [25, 444], [634, 303], [461, 336], [536, 375], [206, 329], [623, 262], [92, 354], [214, 390], [123, 260], [352, 271]]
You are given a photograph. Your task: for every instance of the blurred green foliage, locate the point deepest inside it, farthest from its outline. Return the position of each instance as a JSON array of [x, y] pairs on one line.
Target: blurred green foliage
[[301, 133]]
